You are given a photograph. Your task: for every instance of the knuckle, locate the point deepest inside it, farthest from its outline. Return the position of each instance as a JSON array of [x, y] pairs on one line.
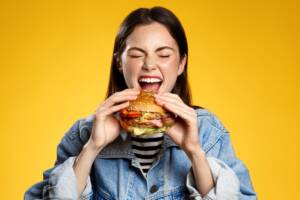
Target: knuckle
[[193, 121], [113, 99], [113, 96], [109, 109], [193, 115], [114, 109], [118, 92], [175, 95], [193, 111], [99, 110], [100, 116]]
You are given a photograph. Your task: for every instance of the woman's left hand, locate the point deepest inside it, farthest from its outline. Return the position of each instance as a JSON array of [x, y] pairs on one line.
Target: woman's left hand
[[185, 130]]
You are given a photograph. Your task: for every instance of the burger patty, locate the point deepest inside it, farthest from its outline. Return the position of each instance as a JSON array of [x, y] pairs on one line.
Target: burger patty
[[144, 123], [148, 123]]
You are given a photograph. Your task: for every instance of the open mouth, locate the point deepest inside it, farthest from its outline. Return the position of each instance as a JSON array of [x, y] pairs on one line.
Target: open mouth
[[150, 83]]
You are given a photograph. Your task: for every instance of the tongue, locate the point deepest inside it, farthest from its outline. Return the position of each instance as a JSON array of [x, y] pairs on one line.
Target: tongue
[[150, 86]]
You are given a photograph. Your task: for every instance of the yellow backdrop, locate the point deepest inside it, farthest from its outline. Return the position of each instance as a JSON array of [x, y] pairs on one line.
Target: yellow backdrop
[[244, 66]]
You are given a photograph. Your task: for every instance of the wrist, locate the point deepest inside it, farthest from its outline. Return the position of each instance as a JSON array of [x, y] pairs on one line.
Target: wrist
[[89, 153], [196, 155], [92, 147]]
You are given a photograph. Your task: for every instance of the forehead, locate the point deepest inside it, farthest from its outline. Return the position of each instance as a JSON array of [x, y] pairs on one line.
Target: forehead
[[150, 36]]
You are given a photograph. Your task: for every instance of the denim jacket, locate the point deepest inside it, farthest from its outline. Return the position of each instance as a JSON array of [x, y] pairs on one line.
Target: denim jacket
[[115, 174]]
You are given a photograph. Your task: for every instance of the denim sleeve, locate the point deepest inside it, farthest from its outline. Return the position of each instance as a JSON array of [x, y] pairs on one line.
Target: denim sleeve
[[227, 155], [226, 183], [223, 150], [59, 182]]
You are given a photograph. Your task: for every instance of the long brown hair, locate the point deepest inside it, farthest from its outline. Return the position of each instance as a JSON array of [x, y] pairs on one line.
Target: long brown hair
[[144, 16]]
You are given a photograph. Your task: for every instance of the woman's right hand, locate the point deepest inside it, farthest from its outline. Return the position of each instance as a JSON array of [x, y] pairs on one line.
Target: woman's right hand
[[106, 127]]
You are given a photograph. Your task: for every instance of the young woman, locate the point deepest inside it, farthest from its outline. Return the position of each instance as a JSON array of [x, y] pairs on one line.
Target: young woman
[[194, 159]]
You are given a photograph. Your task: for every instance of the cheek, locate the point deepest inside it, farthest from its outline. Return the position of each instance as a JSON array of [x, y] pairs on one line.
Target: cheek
[[132, 66], [170, 67], [131, 69]]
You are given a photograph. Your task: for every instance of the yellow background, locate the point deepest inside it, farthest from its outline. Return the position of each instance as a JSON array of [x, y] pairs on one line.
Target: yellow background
[[243, 66]]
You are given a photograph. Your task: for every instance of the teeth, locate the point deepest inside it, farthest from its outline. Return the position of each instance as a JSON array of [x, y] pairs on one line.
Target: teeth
[[150, 80]]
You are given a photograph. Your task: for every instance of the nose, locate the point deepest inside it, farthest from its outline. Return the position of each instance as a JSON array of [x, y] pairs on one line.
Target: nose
[[149, 63]]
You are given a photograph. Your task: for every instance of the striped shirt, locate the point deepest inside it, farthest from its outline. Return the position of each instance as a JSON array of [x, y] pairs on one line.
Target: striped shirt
[[146, 149]]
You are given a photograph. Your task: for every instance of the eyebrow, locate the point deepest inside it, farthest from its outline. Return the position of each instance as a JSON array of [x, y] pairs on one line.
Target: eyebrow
[[158, 49]]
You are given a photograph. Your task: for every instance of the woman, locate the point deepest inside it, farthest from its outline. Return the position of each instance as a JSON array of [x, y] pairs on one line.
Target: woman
[[194, 159]]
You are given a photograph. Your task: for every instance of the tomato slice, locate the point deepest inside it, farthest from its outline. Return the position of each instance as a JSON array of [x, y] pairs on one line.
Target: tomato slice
[[130, 114], [134, 114], [123, 113]]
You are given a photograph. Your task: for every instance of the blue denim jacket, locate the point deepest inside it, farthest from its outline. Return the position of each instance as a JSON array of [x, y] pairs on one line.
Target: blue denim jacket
[[115, 173]]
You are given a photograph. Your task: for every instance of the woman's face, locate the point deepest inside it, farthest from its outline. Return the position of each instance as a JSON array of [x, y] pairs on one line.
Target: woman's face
[[151, 59]]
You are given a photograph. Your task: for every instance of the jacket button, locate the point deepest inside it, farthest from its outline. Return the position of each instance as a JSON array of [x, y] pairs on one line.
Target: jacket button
[[153, 188]]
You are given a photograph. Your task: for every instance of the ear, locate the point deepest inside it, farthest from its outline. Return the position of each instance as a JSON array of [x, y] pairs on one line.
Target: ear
[[120, 67], [181, 65], [118, 62]]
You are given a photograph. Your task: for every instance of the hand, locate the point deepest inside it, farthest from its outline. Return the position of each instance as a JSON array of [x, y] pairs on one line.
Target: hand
[[185, 130], [106, 127]]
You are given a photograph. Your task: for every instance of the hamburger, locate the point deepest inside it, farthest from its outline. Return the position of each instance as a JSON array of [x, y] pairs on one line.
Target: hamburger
[[144, 117]]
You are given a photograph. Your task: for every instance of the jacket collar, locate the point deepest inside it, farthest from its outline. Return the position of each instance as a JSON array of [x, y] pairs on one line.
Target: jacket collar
[[121, 147]]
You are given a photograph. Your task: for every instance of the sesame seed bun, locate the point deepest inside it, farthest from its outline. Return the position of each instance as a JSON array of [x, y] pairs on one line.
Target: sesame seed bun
[[145, 102]]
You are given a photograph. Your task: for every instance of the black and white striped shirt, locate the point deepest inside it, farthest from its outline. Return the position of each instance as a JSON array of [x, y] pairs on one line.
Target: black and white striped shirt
[[146, 149]]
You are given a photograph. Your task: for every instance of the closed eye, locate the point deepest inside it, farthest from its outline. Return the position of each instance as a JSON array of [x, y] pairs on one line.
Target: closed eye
[[135, 56], [164, 56]]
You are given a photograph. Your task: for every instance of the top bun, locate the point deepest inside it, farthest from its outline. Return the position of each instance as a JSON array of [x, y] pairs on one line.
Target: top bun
[[145, 102]]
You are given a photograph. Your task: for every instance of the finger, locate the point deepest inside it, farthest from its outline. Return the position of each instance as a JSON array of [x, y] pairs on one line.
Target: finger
[[108, 111], [175, 100], [116, 99], [171, 95], [186, 115], [129, 90], [180, 108]]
